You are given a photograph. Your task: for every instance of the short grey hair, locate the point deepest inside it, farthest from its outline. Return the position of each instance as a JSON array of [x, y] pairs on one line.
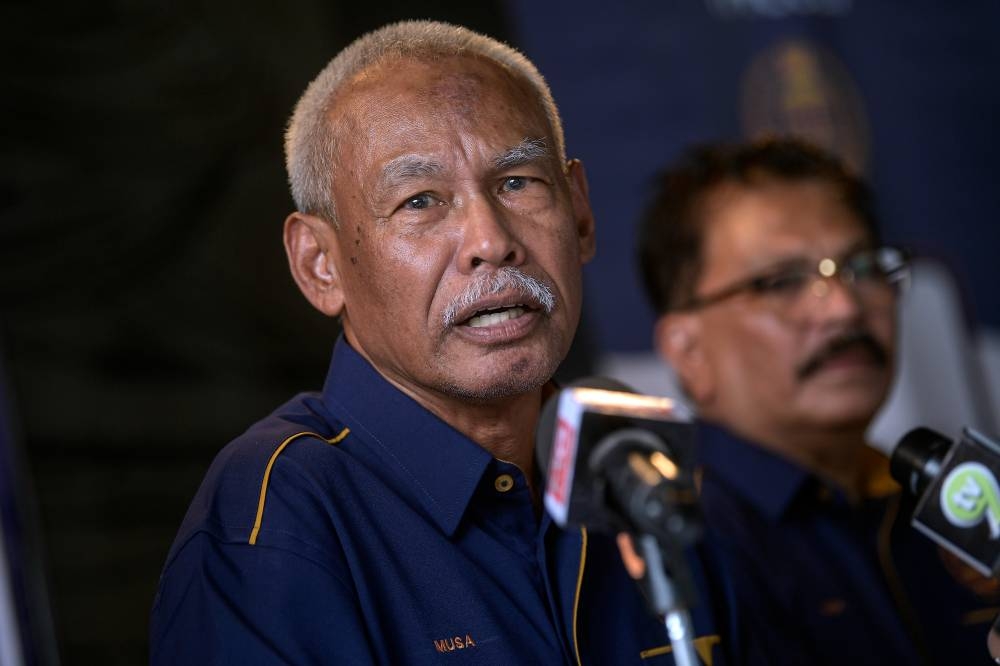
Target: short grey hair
[[311, 139]]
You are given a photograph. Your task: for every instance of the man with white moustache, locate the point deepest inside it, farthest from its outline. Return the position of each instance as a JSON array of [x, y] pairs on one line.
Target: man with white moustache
[[393, 517]]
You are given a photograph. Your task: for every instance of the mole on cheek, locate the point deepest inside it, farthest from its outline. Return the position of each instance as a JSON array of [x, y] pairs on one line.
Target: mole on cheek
[[354, 260]]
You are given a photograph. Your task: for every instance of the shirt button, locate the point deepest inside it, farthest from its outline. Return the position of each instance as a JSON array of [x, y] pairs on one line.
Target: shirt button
[[503, 483]]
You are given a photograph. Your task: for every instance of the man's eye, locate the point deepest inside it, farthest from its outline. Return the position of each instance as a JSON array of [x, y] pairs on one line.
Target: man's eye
[[787, 282], [514, 183], [419, 202]]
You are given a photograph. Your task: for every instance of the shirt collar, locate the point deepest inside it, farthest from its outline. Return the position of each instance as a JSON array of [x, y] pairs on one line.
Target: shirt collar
[[441, 466], [768, 481]]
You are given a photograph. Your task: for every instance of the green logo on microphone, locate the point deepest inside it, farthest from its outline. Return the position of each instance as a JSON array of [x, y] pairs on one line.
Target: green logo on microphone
[[969, 494]]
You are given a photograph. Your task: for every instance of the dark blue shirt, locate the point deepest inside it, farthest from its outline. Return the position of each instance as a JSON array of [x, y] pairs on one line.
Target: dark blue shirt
[[818, 580], [354, 527]]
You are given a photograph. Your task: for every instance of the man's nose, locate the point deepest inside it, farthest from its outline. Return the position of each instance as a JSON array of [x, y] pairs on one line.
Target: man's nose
[[833, 298], [488, 236]]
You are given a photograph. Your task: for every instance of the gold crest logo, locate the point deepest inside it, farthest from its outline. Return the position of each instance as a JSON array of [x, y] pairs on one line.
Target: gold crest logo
[[800, 89]]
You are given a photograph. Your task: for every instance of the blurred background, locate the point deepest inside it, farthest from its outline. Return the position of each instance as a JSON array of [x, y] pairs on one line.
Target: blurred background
[[147, 315]]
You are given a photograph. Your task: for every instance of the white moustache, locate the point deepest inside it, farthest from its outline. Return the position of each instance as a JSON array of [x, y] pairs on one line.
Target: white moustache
[[506, 278]]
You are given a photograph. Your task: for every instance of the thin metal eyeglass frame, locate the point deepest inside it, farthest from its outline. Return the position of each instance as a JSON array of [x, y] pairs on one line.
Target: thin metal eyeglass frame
[[893, 277]]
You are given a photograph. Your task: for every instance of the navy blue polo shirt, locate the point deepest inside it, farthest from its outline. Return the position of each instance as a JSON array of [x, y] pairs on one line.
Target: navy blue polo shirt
[[818, 580], [353, 527]]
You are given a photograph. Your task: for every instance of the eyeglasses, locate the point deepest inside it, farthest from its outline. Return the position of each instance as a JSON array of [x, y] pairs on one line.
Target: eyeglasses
[[871, 274]]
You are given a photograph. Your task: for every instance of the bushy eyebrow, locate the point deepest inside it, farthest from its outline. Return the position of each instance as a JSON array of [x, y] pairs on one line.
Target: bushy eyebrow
[[412, 167], [528, 150], [406, 168]]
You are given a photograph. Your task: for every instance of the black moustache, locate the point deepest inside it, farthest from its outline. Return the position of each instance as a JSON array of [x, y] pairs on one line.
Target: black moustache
[[839, 344]]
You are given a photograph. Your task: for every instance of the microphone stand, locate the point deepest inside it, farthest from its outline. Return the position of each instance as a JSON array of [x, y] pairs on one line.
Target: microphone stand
[[659, 507], [666, 599]]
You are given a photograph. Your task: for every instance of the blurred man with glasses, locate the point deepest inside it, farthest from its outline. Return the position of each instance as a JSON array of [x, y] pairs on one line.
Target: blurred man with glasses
[[776, 307]]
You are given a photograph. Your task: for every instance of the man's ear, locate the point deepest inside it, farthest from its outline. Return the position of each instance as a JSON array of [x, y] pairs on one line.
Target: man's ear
[[312, 247], [582, 214], [678, 340]]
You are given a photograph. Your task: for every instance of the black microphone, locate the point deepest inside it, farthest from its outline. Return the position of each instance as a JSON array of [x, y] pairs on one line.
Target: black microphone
[[618, 461], [958, 503]]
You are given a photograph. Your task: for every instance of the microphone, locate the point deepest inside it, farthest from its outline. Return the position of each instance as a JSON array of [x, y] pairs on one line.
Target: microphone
[[618, 461], [958, 503]]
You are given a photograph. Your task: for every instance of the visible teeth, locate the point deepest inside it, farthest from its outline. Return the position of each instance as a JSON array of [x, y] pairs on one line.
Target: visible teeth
[[492, 318]]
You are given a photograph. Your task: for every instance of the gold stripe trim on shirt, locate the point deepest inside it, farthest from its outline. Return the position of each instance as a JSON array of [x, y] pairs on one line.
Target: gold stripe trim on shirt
[[892, 579], [267, 473], [702, 645], [579, 587], [981, 616], [655, 652]]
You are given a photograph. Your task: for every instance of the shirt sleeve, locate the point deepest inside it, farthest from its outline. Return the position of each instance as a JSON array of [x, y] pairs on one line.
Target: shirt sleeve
[[234, 603]]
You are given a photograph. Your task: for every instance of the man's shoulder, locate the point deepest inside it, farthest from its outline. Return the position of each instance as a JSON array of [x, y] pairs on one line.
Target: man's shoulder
[[304, 418], [288, 450]]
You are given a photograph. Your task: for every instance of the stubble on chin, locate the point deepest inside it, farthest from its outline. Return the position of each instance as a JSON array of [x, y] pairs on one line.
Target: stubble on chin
[[524, 376]]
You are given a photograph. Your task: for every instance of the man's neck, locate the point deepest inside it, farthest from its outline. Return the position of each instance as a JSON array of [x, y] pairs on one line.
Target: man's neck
[[504, 428]]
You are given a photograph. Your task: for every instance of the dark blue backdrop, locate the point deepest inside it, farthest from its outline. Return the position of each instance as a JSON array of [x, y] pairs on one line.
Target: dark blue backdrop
[[909, 90]]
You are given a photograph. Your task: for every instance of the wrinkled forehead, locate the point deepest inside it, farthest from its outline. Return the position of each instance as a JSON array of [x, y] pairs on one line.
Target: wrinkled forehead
[[405, 97]]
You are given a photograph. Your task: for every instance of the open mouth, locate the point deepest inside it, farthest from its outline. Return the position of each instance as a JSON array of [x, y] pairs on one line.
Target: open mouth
[[494, 316], [506, 300]]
